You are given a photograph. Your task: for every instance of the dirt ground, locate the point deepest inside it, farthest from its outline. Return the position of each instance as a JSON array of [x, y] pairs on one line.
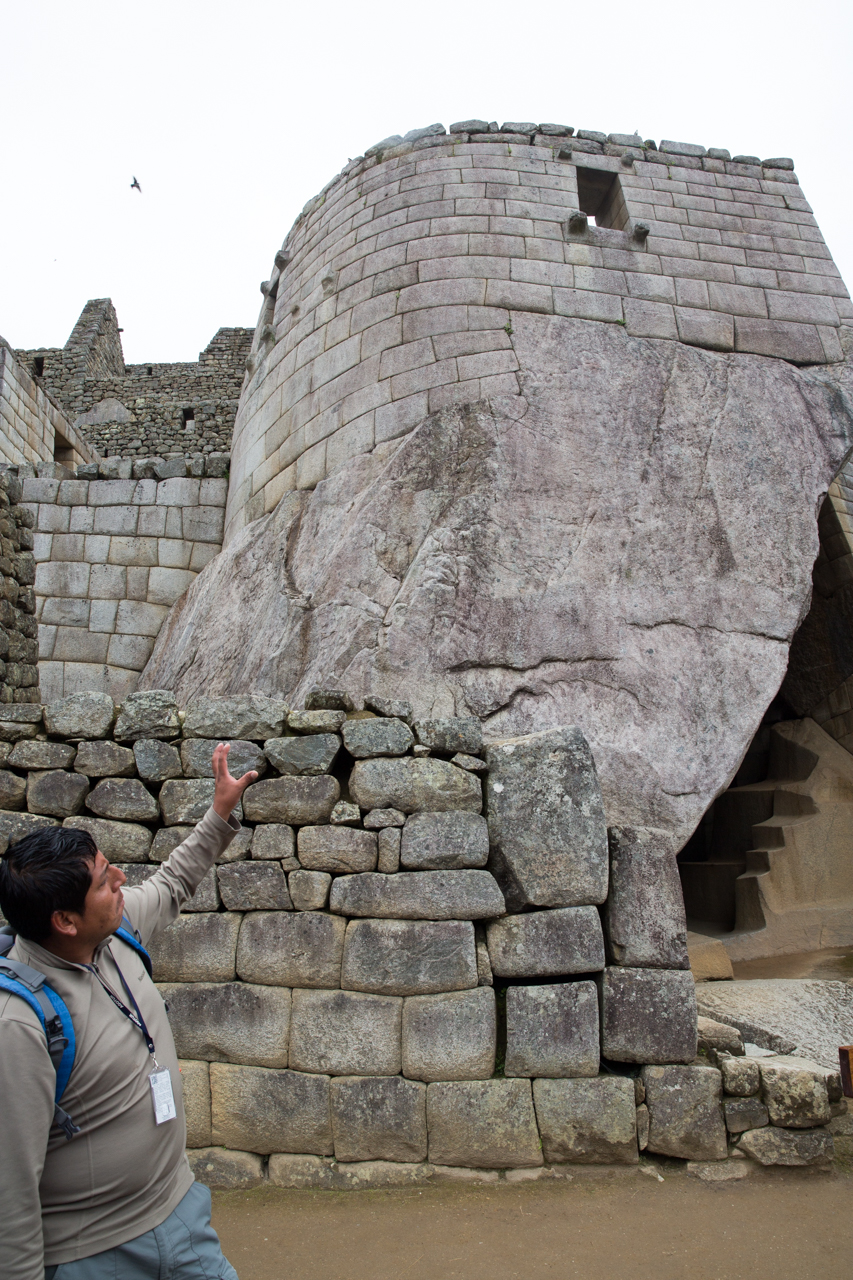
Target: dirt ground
[[780, 1224], [835, 963]]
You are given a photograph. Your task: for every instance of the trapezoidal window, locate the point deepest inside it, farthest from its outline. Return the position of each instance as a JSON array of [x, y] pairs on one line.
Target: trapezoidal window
[[188, 419], [600, 197]]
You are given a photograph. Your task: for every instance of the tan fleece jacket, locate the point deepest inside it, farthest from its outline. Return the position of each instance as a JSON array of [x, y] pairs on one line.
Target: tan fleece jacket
[[122, 1174]]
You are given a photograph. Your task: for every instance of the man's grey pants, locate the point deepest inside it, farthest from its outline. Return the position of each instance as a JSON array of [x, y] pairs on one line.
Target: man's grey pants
[[184, 1247]]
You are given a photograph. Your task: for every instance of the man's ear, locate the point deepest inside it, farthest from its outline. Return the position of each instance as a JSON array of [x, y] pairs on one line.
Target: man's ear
[[63, 923]]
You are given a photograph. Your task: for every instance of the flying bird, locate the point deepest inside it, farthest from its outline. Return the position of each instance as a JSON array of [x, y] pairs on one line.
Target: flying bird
[[135, 184]]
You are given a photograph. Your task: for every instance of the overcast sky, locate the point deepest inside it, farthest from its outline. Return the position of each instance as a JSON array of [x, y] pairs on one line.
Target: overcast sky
[[233, 115]]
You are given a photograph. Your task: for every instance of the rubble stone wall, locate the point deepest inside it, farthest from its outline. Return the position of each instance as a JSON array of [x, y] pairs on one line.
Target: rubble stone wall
[[33, 430], [141, 410], [379, 983], [394, 293]]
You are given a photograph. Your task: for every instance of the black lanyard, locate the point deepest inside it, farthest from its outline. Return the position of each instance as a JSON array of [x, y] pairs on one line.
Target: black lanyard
[[134, 1016]]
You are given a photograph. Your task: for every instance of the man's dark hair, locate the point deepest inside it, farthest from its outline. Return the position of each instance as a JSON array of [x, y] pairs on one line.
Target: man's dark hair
[[49, 870]]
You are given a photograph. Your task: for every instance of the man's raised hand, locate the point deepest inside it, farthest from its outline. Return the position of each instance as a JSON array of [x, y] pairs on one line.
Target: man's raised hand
[[228, 790]]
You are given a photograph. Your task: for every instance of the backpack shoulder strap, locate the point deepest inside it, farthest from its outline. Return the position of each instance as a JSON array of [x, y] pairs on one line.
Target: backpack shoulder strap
[[52, 1012], [128, 934]]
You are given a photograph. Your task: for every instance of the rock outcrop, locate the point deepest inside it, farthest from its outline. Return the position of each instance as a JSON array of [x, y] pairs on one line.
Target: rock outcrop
[[627, 547]]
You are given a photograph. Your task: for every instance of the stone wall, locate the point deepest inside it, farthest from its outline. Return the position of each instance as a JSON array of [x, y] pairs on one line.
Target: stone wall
[[111, 557], [376, 983], [147, 409], [33, 430], [19, 673], [394, 293]]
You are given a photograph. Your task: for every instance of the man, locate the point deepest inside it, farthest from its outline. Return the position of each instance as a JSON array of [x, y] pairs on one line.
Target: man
[[118, 1200]]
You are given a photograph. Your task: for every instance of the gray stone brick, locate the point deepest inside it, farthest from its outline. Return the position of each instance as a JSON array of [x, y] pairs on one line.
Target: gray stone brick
[[648, 1015], [309, 755], [378, 1118], [254, 886], [344, 1033], [336, 849], [118, 841], [196, 948], [299, 801], [265, 1110], [643, 917], [403, 957], [649, 319], [452, 1036], [438, 841], [685, 1112], [298, 949], [275, 840], [380, 737], [156, 760], [229, 1022], [197, 758], [552, 1030], [799, 343], [419, 895], [124, 799], [388, 845], [547, 943], [587, 1121], [56, 794], [99, 759], [708, 329], [486, 1124], [309, 890]]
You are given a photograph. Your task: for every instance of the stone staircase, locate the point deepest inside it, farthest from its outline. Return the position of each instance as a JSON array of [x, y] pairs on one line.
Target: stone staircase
[[770, 869]]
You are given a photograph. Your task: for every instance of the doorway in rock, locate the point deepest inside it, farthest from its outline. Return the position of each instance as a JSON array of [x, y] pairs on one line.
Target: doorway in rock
[[726, 844]]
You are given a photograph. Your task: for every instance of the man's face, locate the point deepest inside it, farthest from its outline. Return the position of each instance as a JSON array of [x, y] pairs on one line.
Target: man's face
[[104, 904]]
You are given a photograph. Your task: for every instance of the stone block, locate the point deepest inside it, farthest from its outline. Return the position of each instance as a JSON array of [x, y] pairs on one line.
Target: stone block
[[685, 1112], [741, 1076], [206, 896], [379, 819], [542, 944], [82, 715], [296, 949], [587, 1121], [345, 814], [414, 786], [117, 841], [229, 1021], [444, 841], [794, 1092], [336, 849], [546, 821], [275, 840], [124, 800], [407, 957], [378, 1118], [254, 886], [452, 1036], [195, 1085], [343, 1033], [388, 846], [742, 1114], [418, 895], [309, 890], [196, 948], [648, 1015], [329, 700], [367, 738], [251, 716], [14, 826], [13, 790], [197, 758], [718, 1037], [42, 755], [486, 1124], [152, 714], [799, 343], [316, 721], [166, 840], [771, 1146], [314, 1172], [222, 1170], [12, 731], [552, 1030], [187, 801], [100, 759], [56, 793], [709, 329], [450, 735], [395, 707], [643, 917], [299, 801], [156, 761], [310, 755], [268, 1110]]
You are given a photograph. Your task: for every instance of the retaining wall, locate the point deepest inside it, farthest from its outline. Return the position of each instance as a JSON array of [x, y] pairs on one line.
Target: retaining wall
[[393, 293], [376, 984]]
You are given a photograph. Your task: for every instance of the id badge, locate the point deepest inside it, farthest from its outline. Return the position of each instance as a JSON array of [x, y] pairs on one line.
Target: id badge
[[161, 1093]]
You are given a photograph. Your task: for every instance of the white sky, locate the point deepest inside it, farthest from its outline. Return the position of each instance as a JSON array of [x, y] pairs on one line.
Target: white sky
[[233, 115]]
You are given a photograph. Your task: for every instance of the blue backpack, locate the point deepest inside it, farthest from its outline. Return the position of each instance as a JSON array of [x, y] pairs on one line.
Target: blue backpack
[[52, 1012]]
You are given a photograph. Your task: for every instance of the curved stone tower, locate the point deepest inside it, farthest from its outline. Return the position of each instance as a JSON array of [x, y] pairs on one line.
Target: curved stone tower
[[536, 428]]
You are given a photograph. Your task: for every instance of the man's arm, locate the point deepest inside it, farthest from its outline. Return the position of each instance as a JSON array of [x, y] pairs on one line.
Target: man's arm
[[156, 903], [27, 1086]]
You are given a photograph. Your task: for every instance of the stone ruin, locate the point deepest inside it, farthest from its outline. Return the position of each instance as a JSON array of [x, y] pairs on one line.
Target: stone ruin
[[538, 464], [378, 983]]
